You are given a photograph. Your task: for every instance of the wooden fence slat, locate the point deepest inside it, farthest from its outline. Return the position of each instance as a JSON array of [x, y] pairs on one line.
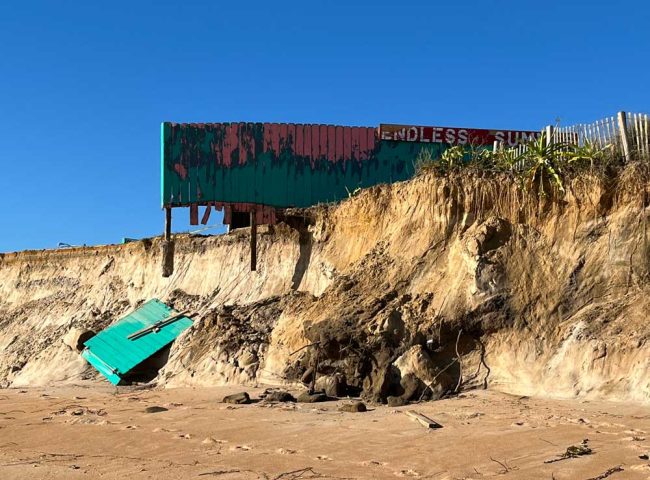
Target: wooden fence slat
[[622, 127], [637, 133], [647, 140], [641, 136]]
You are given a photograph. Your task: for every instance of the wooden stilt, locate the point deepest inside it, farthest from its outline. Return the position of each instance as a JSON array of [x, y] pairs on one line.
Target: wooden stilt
[[168, 245], [168, 223], [253, 240]]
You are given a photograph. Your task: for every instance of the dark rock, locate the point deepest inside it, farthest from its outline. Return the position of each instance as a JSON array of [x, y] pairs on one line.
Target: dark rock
[[155, 409], [411, 385], [279, 396], [237, 398], [332, 385], [307, 376], [396, 401], [356, 407], [16, 368], [306, 397]]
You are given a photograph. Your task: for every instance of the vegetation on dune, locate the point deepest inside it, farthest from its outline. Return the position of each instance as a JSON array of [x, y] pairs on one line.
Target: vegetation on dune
[[540, 165]]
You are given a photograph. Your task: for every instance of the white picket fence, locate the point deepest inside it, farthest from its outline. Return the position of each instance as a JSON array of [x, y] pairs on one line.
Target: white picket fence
[[627, 132]]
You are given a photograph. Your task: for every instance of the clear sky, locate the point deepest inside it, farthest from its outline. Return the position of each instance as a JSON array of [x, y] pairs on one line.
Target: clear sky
[[84, 86]]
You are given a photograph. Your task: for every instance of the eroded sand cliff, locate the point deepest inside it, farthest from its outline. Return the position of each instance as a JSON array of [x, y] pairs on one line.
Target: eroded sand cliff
[[539, 297]]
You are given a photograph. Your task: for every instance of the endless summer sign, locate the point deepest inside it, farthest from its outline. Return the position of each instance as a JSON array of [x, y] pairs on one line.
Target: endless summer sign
[[454, 136]]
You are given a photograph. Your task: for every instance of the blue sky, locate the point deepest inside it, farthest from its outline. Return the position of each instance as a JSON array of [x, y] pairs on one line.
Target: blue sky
[[85, 85]]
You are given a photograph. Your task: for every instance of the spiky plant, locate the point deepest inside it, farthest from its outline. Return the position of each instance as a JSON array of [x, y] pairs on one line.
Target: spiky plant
[[452, 158], [508, 159], [425, 161], [589, 153], [543, 163]]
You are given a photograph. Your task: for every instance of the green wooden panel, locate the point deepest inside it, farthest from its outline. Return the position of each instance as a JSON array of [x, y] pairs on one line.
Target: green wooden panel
[[114, 354], [278, 165]]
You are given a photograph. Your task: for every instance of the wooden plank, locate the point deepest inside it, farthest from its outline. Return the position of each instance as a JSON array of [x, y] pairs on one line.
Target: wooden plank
[[622, 126], [168, 223], [637, 132], [645, 134], [253, 217], [549, 134], [194, 214], [206, 214], [340, 155], [424, 421]]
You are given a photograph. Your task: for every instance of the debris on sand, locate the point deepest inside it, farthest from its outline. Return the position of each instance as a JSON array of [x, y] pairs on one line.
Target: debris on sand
[[355, 407], [423, 420], [574, 451], [277, 396], [607, 473], [237, 398], [127, 344], [306, 397], [393, 401], [155, 409]]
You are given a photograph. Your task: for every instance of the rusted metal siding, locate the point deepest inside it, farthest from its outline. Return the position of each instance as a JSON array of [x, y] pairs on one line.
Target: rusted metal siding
[[276, 165]]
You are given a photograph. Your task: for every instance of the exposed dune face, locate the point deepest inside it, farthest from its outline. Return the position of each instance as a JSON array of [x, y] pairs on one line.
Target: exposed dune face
[[536, 297]]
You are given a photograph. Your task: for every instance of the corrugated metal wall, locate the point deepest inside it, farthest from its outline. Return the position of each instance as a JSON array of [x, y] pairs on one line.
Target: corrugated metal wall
[[278, 165]]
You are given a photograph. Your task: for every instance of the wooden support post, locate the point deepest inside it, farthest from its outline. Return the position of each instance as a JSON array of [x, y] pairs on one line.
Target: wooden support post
[[168, 223], [253, 240], [168, 245], [622, 127]]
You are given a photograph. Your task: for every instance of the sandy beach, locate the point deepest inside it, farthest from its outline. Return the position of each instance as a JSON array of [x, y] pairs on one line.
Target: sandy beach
[[81, 432]]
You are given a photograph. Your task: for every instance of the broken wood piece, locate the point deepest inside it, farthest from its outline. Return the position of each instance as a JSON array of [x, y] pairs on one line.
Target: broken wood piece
[[423, 420], [206, 214], [194, 214], [607, 473], [253, 220]]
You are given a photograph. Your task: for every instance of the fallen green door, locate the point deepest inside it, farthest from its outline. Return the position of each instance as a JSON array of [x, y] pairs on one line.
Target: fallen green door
[[114, 354]]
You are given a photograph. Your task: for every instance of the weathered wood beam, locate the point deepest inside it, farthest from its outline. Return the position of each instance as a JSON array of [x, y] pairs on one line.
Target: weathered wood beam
[[253, 240]]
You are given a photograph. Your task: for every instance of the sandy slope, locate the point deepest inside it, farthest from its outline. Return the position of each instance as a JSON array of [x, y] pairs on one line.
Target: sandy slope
[[484, 435], [552, 297]]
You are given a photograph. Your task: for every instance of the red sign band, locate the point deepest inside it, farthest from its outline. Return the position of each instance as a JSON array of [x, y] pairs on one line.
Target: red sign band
[[454, 136]]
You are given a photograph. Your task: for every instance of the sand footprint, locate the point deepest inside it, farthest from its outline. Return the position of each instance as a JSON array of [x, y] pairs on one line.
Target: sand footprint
[[243, 448], [408, 473], [373, 463], [212, 441], [285, 451]]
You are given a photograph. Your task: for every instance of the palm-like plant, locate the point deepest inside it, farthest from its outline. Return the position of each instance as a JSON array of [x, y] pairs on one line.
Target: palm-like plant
[[542, 159], [508, 158], [589, 152]]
